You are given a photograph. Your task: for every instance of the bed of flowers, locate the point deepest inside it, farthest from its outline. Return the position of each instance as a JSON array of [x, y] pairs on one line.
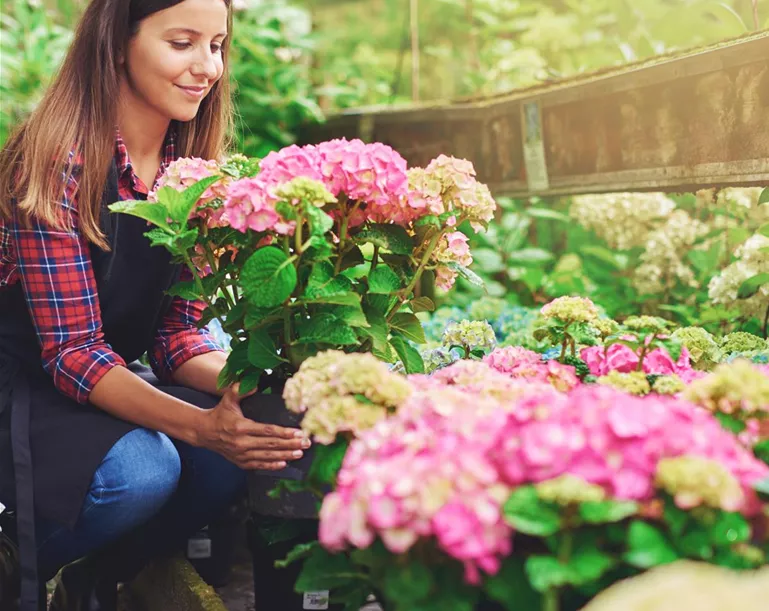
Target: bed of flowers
[[496, 457]]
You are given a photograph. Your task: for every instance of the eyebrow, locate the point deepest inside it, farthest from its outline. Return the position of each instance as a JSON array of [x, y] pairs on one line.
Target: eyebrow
[[191, 32]]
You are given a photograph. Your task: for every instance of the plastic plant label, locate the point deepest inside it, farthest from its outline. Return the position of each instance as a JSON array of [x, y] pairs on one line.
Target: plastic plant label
[[198, 548], [316, 600]]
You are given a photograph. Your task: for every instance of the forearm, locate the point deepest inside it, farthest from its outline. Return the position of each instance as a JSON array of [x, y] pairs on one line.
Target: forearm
[[125, 395], [202, 372]]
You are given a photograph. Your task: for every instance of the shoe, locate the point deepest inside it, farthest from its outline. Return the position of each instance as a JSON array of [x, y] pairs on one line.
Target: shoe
[[82, 587]]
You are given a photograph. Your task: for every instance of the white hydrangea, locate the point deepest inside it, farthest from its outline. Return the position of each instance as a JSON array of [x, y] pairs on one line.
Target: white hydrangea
[[752, 259], [662, 264], [624, 220]]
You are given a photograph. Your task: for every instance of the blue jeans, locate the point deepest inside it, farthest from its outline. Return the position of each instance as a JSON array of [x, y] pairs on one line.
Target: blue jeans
[[148, 495]]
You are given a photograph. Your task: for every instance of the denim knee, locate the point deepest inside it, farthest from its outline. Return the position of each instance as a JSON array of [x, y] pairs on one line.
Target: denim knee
[[137, 477]]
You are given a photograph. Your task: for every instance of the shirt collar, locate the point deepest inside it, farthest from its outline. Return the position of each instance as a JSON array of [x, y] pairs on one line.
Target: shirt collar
[[123, 159]]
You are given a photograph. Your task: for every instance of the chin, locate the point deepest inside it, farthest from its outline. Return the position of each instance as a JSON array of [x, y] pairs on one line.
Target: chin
[[185, 115]]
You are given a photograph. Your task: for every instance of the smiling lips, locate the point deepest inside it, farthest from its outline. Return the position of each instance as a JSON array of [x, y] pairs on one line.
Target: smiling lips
[[195, 92]]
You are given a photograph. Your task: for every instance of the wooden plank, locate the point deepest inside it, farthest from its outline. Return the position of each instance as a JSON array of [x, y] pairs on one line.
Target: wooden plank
[[674, 123]]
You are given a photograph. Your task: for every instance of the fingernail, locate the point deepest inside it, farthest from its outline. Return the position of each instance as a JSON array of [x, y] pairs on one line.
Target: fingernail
[[299, 434], [306, 443], [281, 464], [297, 453]]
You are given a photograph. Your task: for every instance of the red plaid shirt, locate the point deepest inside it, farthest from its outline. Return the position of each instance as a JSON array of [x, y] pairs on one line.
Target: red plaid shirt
[[55, 270]]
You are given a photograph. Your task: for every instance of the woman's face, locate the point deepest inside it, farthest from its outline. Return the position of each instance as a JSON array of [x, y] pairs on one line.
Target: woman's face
[[175, 58]]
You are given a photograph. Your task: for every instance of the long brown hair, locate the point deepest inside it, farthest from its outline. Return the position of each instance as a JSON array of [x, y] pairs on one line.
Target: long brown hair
[[79, 113]]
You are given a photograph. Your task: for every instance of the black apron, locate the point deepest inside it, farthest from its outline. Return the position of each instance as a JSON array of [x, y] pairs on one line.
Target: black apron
[[57, 443]]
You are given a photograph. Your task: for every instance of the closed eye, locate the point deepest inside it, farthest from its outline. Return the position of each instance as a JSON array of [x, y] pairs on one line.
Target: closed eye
[[181, 44]]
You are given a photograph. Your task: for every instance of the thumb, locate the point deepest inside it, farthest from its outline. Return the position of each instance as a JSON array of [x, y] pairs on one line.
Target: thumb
[[235, 394]]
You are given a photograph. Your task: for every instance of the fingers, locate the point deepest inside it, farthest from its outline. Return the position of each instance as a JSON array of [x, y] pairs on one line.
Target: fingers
[[271, 456], [258, 429], [263, 466], [235, 391]]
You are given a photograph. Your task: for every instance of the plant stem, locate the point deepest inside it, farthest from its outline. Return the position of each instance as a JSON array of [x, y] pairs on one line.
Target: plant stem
[[298, 246], [404, 293], [214, 270], [766, 324], [375, 258], [550, 600], [644, 348]]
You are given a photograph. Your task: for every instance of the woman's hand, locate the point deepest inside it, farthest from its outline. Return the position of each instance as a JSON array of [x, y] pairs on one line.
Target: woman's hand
[[249, 444]]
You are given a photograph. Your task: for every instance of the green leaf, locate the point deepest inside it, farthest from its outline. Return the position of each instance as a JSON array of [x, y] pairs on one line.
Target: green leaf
[[407, 583], [186, 240], [603, 254], [764, 229], [545, 572], [249, 382], [695, 544], [325, 328], [155, 213], [319, 221], [268, 277], [322, 283], [601, 512], [262, 352], [383, 280], [186, 290], [751, 285], [547, 213], [764, 197], [345, 299], [390, 237], [730, 423], [588, 565], [351, 314], [761, 450], [377, 328], [181, 208], [675, 517], [673, 347], [467, 274], [409, 326], [730, 528], [530, 255], [511, 588], [762, 487], [286, 210], [409, 356], [527, 513], [300, 551], [327, 462], [422, 304], [324, 571], [162, 237], [647, 546]]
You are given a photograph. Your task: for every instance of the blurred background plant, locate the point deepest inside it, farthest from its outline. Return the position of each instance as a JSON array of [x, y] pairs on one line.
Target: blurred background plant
[[696, 258]]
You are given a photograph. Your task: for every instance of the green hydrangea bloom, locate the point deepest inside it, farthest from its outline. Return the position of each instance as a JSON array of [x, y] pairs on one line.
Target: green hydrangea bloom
[[306, 189], [571, 309], [569, 490], [741, 341], [605, 327], [694, 481], [668, 385], [650, 324], [634, 382], [471, 335], [739, 388], [702, 346], [487, 308]]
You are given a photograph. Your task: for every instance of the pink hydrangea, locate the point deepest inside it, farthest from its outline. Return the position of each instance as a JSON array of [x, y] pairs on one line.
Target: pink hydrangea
[[443, 466], [521, 363], [453, 247], [288, 163], [622, 358], [444, 277], [248, 205], [185, 172]]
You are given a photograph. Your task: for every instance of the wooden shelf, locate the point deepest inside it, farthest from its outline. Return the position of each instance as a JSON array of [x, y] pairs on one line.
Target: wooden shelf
[[674, 123]]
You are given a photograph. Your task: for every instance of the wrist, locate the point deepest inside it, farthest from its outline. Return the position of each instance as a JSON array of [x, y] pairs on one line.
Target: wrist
[[199, 428]]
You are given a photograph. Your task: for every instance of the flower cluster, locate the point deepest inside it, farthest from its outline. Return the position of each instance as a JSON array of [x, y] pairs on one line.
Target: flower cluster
[[738, 388], [623, 220], [185, 172], [693, 481], [525, 364], [452, 248], [634, 382], [444, 464], [622, 358], [340, 392], [740, 341], [470, 335], [703, 349], [752, 259], [571, 309]]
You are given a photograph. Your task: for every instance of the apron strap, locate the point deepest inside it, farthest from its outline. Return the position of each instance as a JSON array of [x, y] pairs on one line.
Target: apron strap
[[25, 500]]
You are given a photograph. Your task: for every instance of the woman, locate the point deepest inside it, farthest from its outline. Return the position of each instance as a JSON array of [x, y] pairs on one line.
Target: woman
[[126, 462]]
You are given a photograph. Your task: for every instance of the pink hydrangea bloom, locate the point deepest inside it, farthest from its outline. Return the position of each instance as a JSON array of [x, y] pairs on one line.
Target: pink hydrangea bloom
[[622, 358], [526, 364], [249, 206]]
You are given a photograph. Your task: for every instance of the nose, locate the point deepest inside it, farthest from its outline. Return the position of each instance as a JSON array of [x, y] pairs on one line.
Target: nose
[[206, 66]]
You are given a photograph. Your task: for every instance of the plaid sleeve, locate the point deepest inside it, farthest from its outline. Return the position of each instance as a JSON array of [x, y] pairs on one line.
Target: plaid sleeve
[[178, 338], [59, 285]]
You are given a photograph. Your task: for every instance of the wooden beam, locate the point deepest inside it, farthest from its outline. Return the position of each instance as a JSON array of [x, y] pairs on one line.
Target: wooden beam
[[674, 123]]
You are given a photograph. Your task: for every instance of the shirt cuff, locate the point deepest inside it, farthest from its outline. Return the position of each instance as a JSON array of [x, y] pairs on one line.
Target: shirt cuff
[[173, 351], [76, 373]]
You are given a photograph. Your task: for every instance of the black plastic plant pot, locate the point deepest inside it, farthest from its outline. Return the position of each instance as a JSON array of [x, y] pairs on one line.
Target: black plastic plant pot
[[270, 409]]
